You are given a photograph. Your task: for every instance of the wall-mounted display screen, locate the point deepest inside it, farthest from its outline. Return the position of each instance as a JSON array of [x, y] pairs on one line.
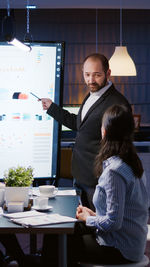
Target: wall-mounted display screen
[[28, 136], [72, 109], [68, 134]]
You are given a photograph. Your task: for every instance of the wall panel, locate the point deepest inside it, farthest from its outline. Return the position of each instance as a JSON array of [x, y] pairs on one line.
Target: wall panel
[[77, 28]]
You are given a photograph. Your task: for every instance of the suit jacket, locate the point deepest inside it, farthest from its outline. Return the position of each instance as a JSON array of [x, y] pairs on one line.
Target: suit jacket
[[88, 137]]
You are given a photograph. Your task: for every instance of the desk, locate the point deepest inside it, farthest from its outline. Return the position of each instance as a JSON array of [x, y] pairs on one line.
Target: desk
[[64, 205]]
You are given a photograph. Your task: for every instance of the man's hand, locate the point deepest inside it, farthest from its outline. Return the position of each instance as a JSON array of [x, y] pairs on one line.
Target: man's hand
[[83, 212], [46, 103]]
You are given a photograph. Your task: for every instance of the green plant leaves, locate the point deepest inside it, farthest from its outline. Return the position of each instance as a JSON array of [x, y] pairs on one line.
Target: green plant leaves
[[19, 176]]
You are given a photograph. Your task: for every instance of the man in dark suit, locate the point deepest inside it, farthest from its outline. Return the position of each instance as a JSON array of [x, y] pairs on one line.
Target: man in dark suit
[[102, 94]]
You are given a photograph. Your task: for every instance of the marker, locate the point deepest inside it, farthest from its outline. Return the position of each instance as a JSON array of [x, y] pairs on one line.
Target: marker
[[35, 96]]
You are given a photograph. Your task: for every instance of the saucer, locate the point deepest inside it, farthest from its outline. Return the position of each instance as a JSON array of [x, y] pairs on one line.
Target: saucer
[[49, 196], [48, 208]]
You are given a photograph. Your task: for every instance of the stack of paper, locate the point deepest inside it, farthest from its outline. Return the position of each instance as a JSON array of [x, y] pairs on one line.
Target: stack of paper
[[18, 215], [35, 218], [67, 192], [72, 192]]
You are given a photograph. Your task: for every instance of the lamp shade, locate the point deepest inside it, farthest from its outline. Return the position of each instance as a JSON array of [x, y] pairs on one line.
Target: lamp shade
[[20, 45], [121, 64]]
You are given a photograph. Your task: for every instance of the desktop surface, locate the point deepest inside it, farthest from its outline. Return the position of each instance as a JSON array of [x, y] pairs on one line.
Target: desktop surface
[[64, 205]]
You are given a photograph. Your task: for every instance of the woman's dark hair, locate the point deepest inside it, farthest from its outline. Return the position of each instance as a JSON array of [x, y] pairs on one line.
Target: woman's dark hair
[[101, 58], [118, 123]]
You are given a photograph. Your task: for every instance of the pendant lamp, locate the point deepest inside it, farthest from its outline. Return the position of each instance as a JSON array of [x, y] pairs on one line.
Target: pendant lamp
[[19, 45], [28, 36], [10, 38], [96, 30], [121, 64]]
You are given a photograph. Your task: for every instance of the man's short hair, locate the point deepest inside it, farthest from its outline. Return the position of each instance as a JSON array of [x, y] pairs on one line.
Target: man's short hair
[[100, 57]]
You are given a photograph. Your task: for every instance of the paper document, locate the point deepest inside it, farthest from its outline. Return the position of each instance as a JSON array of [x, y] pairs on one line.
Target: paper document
[[43, 220], [24, 214], [71, 192]]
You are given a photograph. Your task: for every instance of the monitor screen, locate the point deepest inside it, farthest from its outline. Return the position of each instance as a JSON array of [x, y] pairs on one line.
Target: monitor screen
[[72, 109], [28, 136], [66, 133]]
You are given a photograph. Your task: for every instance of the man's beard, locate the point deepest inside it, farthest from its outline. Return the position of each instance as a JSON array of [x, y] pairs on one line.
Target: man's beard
[[96, 86]]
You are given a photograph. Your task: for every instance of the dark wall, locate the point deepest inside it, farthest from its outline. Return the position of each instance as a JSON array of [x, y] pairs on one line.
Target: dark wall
[[77, 27]]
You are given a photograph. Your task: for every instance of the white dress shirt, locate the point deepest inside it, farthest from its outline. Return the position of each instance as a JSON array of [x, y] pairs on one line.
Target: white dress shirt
[[94, 96]]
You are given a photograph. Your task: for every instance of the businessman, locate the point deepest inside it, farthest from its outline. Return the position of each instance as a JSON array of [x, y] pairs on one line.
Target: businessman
[[102, 94]]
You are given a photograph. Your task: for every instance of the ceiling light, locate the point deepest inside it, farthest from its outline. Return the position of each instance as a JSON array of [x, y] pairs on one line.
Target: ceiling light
[[121, 64], [9, 33], [96, 31], [20, 45], [31, 6], [28, 35]]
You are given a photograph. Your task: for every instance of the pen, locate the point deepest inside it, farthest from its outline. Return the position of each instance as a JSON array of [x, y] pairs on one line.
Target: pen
[[35, 96]]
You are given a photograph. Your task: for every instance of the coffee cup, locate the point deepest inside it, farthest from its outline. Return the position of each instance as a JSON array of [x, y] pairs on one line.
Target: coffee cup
[[40, 202], [48, 190]]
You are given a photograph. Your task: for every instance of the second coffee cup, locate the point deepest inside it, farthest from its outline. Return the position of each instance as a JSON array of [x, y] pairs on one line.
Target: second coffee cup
[[48, 190], [40, 202]]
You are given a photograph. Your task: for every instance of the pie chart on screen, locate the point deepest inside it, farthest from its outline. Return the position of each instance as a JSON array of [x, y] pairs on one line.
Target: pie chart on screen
[[19, 95]]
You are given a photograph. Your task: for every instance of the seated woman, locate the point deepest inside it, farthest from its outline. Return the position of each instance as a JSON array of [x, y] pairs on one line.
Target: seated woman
[[116, 232]]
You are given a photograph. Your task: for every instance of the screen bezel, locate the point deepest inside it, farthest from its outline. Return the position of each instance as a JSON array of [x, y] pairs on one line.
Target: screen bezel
[[69, 134], [58, 100]]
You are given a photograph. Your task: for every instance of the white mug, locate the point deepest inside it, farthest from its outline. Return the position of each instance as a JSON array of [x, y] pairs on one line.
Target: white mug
[[40, 202], [48, 190]]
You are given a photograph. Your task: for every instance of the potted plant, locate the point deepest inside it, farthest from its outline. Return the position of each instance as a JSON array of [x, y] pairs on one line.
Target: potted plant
[[17, 182]]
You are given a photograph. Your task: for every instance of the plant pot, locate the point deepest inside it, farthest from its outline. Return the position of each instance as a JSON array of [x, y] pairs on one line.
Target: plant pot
[[17, 194]]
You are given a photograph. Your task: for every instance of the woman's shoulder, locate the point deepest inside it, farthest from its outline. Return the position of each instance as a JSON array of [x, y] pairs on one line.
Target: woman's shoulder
[[114, 162], [117, 165]]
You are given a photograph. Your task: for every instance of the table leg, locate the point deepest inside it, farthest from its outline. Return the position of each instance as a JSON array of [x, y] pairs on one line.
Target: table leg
[[62, 250], [33, 240]]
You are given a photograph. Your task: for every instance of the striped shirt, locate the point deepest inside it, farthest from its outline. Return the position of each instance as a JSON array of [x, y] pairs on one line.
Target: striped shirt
[[121, 203]]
